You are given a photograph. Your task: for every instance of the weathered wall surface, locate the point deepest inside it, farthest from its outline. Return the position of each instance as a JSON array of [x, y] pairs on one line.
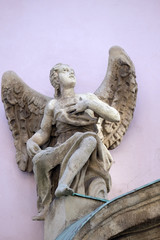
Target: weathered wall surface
[[35, 35]]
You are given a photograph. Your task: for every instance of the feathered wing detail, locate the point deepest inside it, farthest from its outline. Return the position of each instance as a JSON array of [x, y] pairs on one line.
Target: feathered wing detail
[[119, 90], [24, 109]]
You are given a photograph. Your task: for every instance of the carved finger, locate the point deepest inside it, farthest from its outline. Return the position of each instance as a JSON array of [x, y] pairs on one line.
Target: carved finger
[[30, 153], [36, 148], [33, 152], [71, 104], [71, 109]]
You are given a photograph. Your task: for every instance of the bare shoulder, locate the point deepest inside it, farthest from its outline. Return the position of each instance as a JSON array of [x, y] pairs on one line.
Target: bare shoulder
[[50, 106], [90, 96]]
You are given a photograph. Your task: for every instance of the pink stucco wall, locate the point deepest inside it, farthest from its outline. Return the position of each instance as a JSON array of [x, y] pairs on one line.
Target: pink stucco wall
[[35, 35]]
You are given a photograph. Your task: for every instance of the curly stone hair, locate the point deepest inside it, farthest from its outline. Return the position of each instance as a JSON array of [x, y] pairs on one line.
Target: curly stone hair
[[54, 79]]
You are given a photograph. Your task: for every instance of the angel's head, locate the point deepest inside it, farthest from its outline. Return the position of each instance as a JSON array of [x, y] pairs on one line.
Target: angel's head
[[61, 75]]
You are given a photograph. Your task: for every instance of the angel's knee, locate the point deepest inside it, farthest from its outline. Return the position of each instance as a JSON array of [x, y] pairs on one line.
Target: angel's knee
[[78, 134], [39, 159], [89, 143]]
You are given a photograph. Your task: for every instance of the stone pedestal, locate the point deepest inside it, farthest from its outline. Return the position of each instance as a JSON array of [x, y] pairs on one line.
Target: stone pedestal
[[64, 211]]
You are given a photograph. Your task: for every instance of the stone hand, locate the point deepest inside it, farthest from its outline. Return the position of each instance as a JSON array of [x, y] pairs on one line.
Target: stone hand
[[81, 106], [32, 148]]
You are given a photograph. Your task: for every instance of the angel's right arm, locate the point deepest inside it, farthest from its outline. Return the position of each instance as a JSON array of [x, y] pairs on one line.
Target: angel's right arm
[[42, 135]]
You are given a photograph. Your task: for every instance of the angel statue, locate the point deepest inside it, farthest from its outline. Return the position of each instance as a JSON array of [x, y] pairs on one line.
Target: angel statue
[[65, 140]]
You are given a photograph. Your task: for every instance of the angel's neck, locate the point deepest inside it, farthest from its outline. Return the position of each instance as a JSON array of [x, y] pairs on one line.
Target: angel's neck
[[67, 93]]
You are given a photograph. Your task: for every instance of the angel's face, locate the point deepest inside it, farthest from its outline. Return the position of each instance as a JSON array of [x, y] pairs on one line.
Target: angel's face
[[66, 76]]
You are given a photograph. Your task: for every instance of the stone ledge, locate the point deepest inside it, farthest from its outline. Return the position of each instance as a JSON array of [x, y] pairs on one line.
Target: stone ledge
[[126, 217]]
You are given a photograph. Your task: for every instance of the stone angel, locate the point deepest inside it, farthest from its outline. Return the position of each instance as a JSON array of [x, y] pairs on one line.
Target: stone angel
[[65, 140]]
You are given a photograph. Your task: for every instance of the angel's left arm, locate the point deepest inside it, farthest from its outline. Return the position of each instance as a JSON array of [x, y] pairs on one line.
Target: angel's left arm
[[102, 109]]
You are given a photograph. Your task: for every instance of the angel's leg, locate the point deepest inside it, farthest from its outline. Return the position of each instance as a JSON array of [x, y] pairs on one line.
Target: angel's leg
[[42, 178], [75, 164], [43, 163]]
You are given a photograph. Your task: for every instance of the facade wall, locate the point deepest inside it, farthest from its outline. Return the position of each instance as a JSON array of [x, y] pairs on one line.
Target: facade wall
[[34, 36]]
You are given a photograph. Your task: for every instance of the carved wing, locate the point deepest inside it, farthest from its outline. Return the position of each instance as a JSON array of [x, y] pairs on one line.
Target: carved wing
[[119, 90], [24, 109]]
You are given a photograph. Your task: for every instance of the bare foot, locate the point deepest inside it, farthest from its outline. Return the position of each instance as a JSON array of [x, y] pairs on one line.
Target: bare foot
[[63, 190], [41, 215]]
